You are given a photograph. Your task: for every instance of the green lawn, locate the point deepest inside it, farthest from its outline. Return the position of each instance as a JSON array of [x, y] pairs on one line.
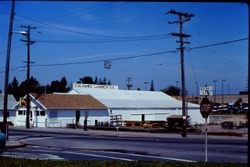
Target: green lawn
[[12, 162]]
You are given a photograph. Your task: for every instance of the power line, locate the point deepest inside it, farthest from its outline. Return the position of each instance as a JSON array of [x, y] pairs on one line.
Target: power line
[[79, 12], [220, 43], [131, 57], [96, 61], [88, 34], [124, 39]]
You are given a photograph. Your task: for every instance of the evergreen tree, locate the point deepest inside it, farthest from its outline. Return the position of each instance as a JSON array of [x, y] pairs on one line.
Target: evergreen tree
[[172, 91], [96, 80], [33, 86], [63, 85], [104, 81], [86, 80], [100, 81], [13, 88], [55, 86]]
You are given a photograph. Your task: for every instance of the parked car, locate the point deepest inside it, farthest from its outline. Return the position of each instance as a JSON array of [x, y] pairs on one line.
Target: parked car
[[2, 142], [227, 125]]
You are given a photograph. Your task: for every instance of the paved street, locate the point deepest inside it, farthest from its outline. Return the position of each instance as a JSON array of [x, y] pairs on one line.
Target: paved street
[[76, 144]]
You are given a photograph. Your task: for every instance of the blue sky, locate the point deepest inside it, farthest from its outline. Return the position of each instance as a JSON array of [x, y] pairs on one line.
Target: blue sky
[[88, 31]]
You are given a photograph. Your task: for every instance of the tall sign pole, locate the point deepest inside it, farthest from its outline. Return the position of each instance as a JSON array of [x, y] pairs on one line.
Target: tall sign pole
[[205, 109], [183, 17], [7, 69]]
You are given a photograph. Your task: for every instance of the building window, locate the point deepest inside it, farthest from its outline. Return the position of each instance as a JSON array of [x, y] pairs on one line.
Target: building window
[[42, 113], [21, 112], [53, 114]]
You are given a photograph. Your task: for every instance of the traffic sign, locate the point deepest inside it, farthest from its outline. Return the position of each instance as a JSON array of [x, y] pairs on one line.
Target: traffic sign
[[206, 90], [205, 107]]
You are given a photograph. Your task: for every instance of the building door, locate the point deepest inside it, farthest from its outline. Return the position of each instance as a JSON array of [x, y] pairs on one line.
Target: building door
[[31, 118], [77, 117], [143, 117]]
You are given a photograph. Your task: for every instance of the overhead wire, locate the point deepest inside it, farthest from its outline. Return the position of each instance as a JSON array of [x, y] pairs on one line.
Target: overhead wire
[[221, 43], [131, 57], [125, 39], [79, 12], [83, 33], [102, 60]]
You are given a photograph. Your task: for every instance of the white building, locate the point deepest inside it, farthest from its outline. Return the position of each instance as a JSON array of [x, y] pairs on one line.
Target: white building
[[59, 110], [11, 112], [134, 105]]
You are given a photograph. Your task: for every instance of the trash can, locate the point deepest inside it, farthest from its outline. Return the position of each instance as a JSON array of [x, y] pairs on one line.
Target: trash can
[[2, 142]]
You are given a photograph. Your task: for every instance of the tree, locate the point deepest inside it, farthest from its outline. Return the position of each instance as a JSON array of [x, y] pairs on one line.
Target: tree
[[96, 80], [172, 91], [55, 86], [152, 86], [63, 85], [104, 81], [32, 86], [13, 88], [86, 80]]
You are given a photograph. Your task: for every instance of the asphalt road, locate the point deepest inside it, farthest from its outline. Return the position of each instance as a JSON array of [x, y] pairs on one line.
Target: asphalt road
[[127, 146]]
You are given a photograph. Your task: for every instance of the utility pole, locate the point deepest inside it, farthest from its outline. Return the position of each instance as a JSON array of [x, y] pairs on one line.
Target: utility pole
[[214, 90], [183, 17], [129, 85], [7, 69], [197, 89], [28, 43]]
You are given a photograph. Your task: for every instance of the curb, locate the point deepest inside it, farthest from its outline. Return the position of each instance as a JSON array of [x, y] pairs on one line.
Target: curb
[[18, 145]]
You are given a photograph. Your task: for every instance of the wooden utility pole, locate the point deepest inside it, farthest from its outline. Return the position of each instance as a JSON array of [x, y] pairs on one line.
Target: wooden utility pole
[[28, 43], [7, 69], [183, 17]]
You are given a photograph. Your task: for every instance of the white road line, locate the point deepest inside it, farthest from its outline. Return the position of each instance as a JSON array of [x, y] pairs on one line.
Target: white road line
[[92, 155], [151, 156], [100, 156], [36, 138]]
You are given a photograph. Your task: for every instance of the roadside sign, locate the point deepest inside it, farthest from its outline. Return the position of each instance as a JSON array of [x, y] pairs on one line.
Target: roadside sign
[[205, 107], [206, 90]]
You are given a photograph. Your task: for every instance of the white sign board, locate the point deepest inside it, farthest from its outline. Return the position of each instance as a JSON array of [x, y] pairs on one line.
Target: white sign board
[[206, 90], [94, 86]]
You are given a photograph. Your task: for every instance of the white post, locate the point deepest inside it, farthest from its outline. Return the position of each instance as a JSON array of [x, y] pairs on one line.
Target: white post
[[117, 129], [205, 139]]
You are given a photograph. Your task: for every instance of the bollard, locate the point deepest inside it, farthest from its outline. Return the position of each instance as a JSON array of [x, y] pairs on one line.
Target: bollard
[[2, 142], [117, 129]]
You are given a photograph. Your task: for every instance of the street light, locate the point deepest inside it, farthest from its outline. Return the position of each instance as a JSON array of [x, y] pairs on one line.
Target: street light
[[177, 84], [222, 91], [146, 85], [228, 89], [214, 90], [24, 33]]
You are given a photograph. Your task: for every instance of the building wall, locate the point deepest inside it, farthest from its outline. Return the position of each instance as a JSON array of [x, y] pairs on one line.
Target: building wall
[[11, 118], [218, 98], [60, 118], [157, 114]]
